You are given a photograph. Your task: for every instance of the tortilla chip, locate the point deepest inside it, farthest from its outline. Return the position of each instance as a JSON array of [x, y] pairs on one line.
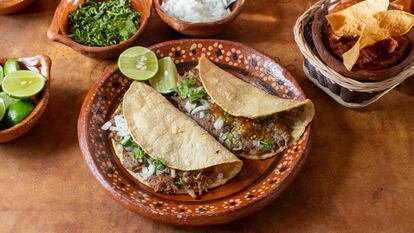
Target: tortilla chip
[[242, 99], [404, 5], [387, 24], [353, 20], [164, 132]]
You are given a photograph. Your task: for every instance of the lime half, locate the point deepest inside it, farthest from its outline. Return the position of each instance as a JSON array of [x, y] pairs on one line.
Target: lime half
[[138, 63], [23, 83], [2, 109], [165, 81], [7, 99], [11, 66], [18, 111]]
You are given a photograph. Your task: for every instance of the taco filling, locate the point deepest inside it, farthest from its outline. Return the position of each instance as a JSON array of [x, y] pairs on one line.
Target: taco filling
[[239, 134]]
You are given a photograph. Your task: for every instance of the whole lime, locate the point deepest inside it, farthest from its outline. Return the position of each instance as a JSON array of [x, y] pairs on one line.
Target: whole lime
[[18, 111]]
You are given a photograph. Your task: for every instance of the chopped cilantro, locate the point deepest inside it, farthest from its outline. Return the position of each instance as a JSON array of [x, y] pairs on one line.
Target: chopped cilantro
[[97, 23], [267, 144], [187, 89], [159, 163], [129, 143], [138, 153], [179, 182]]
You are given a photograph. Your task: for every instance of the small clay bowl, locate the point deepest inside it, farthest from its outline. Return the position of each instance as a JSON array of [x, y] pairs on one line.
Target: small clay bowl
[[338, 66], [13, 6], [199, 29], [59, 29], [42, 64]]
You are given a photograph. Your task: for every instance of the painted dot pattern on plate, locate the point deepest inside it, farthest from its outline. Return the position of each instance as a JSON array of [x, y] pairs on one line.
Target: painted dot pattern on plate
[[241, 59]]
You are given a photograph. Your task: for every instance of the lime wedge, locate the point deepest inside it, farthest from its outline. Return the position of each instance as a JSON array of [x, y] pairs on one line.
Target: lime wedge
[[10, 66], [2, 109], [18, 111], [1, 74], [165, 81], [23, 84], [7, 99], [138, 63]]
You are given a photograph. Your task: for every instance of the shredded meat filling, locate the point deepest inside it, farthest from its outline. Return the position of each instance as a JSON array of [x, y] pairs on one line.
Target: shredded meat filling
[[239, 134]]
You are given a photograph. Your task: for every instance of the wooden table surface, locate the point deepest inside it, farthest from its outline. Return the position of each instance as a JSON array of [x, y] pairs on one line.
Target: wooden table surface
[[359, 176]]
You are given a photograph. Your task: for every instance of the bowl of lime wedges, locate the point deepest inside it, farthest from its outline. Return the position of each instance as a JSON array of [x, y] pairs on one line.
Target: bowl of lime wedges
[[24, 94]]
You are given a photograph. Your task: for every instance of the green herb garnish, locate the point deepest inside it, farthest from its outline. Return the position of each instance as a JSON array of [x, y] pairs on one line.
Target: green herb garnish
[[188, 90], [179, 182], [103, 23], [159, 163], [232, 140], [267, 144], [139, 153]]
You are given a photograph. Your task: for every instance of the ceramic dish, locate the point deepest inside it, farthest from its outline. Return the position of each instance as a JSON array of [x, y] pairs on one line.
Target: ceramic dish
[[13, 6], [58, 30], [42, 64], [199, 29], [362, 75], [259, 182]]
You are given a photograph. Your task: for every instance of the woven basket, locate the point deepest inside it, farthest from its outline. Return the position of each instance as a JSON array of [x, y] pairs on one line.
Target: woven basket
[[346, 91]]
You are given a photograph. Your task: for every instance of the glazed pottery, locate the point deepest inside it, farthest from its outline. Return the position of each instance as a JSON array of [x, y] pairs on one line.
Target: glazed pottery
[[58, 30], [257, 185], [41, 64], [199, 29]]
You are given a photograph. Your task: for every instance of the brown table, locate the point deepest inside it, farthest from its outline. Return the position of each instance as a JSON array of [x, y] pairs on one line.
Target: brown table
[[359, 176]]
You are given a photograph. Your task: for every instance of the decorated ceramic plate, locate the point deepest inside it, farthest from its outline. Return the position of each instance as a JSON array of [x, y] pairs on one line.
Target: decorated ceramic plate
[[258, 183]]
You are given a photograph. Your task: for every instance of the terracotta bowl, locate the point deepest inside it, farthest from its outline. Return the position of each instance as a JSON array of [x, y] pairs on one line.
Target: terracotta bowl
[[336, 64], [13, 6], [42, 64], [257, 185], [58, 30], [199, 29]]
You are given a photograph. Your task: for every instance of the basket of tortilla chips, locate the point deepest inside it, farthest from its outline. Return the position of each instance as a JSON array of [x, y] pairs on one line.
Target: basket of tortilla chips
[[356, 51]]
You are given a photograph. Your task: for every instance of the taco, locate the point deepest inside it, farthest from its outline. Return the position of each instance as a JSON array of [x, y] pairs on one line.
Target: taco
[[166, 150], [248, 121]]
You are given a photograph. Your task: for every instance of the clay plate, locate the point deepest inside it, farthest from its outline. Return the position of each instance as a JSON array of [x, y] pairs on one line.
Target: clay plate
[[13, 6], [58, 29], [257, 185], [42, 64], [338, 66], [199, 29]]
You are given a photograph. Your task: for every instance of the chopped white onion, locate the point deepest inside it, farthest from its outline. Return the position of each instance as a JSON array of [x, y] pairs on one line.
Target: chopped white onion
[[197, 11], [256, 143], [199, 109], [189, 106], [146, 172], [113, 128], [220, 176], [202, 115], [173, 173], [106, 126], [218, 124], [125, 139]]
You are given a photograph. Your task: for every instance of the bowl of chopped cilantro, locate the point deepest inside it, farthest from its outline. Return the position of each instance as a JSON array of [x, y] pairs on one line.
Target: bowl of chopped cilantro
[[100, 29]]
